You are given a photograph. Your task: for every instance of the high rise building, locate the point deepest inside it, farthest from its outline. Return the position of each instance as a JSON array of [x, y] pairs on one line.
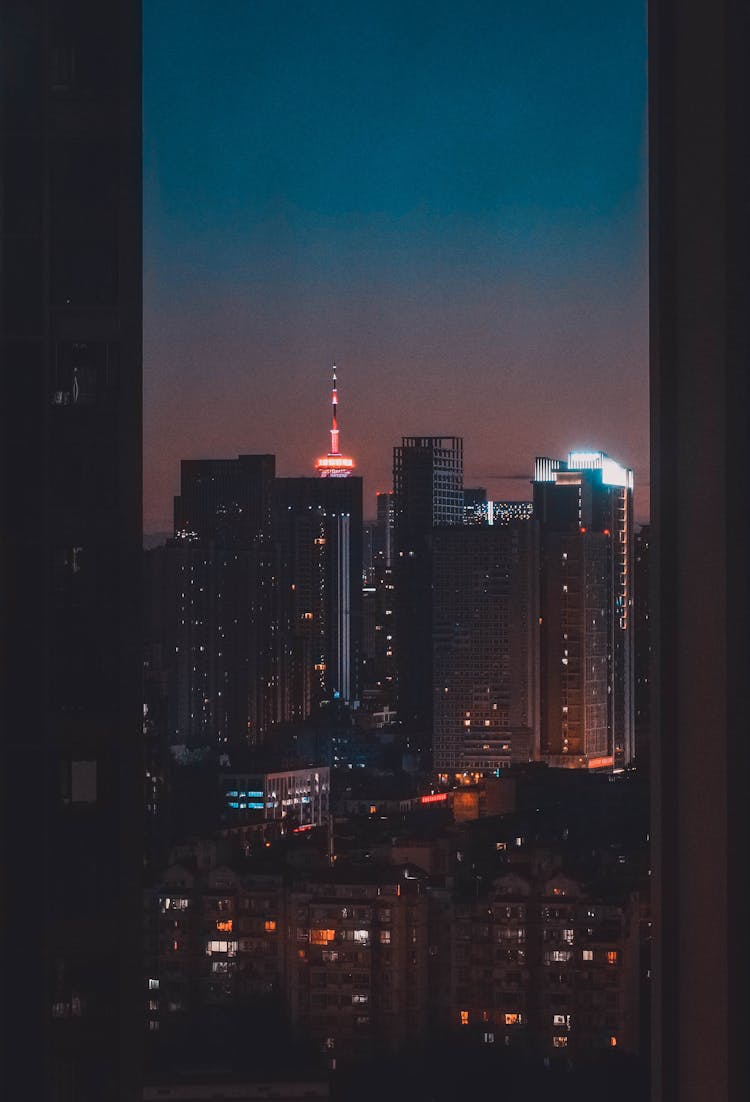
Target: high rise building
[[70, 550], [475, 505], [317, 525], [383, 538], [584, 507], [226, 652], [484, 640], [427, 494], [642, 644], [224, 500]]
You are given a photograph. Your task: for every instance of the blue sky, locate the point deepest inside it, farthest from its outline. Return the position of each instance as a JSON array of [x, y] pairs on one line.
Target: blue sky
[[449, 199]]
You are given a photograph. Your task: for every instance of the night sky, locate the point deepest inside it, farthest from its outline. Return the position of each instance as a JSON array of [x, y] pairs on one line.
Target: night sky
[[449, 199]]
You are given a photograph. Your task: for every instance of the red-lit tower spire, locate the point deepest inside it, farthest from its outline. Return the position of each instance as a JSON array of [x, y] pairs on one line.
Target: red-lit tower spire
[[334, 465]]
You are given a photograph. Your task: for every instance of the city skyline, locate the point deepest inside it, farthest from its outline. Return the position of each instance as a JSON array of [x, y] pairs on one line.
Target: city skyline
[[451, 205]]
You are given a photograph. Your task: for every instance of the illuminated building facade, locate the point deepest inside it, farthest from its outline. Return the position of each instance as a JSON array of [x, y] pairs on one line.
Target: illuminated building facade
[[214, 937], [643, 648], [427, 494], [584, 507], [300, 797], [479, 510], [485, 654], [506, 512], [70, 547], [475, 505], [541, 966], [357, 961]]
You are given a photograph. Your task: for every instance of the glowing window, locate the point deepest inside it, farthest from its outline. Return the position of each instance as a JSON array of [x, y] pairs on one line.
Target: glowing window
[[613, 1042], [270, 925], [513, 1019], [225, 926], [560, 1042], [385, 937], [588, 954], [612, 956], [464, 1017], [321, 937], [228, 947]]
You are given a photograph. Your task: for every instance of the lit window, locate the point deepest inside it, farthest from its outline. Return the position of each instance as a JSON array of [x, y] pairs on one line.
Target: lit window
[[228, 947], [560, 1042], [270, 925], [360, 999], [225, 926], [153, 985], [464, 1017], [613, 1042], [321, 937], [488, 1038], [612, 956], [513, 1019], [588, 954], [385, 937]]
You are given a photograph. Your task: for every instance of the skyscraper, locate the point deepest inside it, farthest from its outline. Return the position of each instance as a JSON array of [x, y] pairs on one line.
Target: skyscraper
[[484, 640], [428, 478], [70, 556], [225, 683], [317, 525], [584, 507]]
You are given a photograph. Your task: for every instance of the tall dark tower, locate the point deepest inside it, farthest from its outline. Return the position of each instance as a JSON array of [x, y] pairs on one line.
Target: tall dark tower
[[70, 550], [223, 568], [699, 93], [428, 484], [584, 507], [317, 524]]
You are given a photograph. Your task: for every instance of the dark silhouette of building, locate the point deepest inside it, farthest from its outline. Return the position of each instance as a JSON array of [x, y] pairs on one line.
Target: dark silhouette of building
[[584, 507], [699, 128], [70, 556], [485, 646], [317, 525], [224, 500], [642, 647], [223, 572], [428, 478], [383, 539]]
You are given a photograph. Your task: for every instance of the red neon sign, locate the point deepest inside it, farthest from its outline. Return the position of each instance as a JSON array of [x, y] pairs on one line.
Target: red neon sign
[[434, 798]]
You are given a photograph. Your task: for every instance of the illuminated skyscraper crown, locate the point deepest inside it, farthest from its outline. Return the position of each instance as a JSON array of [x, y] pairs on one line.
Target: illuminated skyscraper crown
[[334, 465]]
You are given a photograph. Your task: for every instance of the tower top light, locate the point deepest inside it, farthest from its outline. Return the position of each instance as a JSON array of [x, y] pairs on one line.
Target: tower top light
[[334, 465]]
